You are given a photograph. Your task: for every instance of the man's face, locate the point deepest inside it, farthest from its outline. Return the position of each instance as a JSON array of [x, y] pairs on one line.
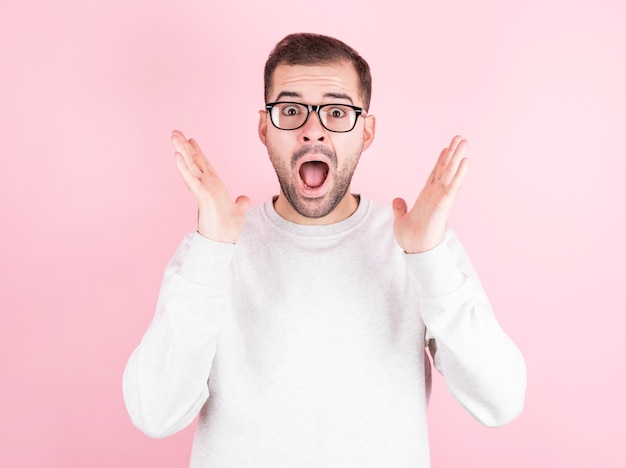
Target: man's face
[[314, 165]]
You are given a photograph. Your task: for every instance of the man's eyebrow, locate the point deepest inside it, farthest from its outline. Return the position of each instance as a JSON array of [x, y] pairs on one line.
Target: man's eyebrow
[[339, 96], [287, 94]]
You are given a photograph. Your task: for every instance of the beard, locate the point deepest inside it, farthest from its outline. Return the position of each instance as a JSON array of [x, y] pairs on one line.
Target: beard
[[321, 206]]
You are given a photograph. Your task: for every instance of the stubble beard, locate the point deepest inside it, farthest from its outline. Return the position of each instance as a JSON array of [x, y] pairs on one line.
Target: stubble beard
[[315, 208]]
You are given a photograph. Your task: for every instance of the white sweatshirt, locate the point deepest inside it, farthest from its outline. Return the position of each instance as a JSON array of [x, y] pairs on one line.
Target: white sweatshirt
[[304, 346]]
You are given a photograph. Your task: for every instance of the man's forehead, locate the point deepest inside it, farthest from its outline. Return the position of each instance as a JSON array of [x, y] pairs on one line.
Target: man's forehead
[[338, 79]]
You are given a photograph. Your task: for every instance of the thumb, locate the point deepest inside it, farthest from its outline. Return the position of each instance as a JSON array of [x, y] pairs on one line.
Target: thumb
[[243, 203], [399, 207]]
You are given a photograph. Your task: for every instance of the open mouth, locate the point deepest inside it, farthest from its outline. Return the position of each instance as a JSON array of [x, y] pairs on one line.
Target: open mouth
[[313, 174]]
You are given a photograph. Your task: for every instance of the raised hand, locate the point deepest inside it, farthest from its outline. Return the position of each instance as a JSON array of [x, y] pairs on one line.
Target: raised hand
[[424, 226], [219, 218]]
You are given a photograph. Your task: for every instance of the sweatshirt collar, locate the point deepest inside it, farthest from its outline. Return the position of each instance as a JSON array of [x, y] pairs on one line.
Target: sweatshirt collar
[[316, 230]]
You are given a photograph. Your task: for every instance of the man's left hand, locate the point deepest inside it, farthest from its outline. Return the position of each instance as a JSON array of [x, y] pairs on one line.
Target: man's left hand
[[423, 228]]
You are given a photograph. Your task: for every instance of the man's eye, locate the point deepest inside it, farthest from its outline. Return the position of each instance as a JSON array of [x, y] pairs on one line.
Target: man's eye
[[291, 110], [336, 112]]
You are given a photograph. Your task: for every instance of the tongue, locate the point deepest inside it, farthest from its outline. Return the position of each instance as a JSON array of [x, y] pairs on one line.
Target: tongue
[[313, 173]]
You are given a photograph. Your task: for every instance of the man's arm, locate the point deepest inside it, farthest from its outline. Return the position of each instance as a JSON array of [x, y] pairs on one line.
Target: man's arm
[[165, 381], [483, 368]]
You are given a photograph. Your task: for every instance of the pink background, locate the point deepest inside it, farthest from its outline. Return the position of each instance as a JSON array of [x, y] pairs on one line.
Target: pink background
[[92, 206]]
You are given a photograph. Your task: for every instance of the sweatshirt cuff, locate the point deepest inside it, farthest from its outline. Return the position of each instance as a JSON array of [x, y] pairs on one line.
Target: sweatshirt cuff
[[207, 260], [436, 271]]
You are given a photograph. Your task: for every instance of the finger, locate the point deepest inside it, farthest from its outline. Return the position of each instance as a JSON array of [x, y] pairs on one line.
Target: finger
[[179, 134], [459, 147], [188, 176], [449, 151], [180, 143], [184, 148], [457, 180], [201, 161], [451, 169], [193, 148], [441, 163], [208, 184], [399, 208], [190, 163], [455, 142]]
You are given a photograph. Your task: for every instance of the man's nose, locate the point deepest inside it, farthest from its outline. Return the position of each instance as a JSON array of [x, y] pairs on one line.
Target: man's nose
[[313, 130]]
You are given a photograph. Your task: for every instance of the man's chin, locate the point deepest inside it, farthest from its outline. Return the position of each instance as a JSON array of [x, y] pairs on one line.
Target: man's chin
[[313, 204], [317, 209], [313, 208]]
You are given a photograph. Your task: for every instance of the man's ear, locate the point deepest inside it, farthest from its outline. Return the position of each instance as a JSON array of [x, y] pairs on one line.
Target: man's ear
[[262, 125], [369, 131]]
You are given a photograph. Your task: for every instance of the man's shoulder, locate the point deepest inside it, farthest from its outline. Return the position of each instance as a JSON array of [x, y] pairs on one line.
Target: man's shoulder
[[378, 215]]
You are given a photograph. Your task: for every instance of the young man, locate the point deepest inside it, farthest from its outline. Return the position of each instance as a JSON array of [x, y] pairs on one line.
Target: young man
[[297, 329]]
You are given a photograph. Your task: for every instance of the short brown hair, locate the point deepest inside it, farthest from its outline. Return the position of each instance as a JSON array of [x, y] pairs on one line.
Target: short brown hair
[[316, 49]]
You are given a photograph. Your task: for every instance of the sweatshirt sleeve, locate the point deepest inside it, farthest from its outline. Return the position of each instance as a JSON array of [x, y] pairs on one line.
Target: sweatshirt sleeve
[[482, 367], [165, 380]]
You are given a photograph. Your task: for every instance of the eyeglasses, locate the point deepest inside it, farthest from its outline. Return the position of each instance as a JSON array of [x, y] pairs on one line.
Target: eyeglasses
[[339, 118]]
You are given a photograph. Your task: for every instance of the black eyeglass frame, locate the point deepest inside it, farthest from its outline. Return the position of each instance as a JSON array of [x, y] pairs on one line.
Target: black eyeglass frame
[[310, 108]]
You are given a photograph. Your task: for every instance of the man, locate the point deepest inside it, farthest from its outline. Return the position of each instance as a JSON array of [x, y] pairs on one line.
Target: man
[[297, 329]]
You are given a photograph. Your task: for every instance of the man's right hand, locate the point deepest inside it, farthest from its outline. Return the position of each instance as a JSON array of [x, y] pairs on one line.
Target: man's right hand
[[219, 219]]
